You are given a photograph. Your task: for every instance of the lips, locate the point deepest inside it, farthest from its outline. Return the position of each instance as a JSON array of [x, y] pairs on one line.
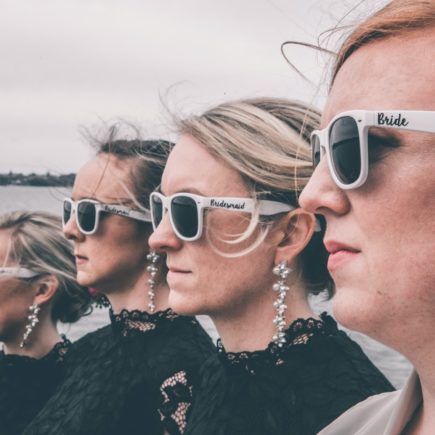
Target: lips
[[339, 253], [175, 269], [80, 259]]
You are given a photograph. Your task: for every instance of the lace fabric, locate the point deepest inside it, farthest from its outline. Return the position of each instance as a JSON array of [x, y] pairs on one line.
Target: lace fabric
[[128, 322], [56, 355], [177, 399], [298, 333], [297, 389]]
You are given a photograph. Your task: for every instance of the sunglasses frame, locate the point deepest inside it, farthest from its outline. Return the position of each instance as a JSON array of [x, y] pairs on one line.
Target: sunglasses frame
[[120, 210], [411, 120], [244, 205], [17, 272]]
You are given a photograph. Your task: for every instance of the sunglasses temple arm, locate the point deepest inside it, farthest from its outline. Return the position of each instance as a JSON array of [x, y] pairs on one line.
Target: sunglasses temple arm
[[141, 216], [274, 207]]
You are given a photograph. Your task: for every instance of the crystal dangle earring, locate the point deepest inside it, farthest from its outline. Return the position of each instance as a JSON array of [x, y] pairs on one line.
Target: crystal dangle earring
[[152, 257], [33, 320], [282, 270]]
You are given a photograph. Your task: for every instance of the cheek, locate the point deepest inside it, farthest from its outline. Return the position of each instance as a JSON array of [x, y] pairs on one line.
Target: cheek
[[113, 253], [221, 284], [14, 310]]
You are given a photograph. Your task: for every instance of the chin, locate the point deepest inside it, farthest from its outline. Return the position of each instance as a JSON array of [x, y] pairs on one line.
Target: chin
[[85, 280], [182, 304], [352, 311]]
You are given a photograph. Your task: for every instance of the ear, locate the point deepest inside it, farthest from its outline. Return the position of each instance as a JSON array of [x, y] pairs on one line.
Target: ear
[[295, 231], [45, 289]]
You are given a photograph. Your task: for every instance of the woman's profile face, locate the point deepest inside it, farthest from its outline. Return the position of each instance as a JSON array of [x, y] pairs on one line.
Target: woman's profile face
[[16, 295], [201, 280], [381, 236], [115, 255]]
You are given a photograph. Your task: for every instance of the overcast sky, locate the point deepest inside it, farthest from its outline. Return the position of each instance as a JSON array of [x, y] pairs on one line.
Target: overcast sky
[[67, 64]]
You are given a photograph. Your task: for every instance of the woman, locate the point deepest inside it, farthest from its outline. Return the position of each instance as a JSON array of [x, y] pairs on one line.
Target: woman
[[240, 249], [37, 290], [136, 376], [380, 208]]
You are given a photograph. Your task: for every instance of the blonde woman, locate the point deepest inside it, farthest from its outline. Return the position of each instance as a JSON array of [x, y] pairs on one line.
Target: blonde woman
[[137, 375], [374, 183], [241, 250], [37, 290]]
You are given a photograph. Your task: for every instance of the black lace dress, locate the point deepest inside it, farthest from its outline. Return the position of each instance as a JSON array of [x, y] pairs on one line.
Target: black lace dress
[[135, 376], [294, 390], [26, 384]]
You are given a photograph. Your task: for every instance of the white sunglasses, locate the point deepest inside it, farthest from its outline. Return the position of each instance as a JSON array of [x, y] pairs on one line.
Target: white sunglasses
[[17, 272], [186, 210], [87, 213], [345, 140]]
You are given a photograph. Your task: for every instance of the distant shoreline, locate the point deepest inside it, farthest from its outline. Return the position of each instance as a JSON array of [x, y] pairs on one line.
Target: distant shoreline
[[41, 180]]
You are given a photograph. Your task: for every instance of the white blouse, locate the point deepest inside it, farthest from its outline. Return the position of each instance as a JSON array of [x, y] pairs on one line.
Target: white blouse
[[382, 414]]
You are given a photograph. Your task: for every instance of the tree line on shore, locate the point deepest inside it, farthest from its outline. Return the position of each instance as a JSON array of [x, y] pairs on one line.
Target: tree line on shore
[[47, 179]]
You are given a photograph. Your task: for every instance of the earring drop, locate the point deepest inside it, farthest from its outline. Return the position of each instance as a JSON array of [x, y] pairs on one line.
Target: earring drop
[[152, 257], [33, 320], [283, 271]]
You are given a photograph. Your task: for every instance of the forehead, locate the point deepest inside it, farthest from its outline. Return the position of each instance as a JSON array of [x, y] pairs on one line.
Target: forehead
[[105, 178], [191, 168], [394, 73]]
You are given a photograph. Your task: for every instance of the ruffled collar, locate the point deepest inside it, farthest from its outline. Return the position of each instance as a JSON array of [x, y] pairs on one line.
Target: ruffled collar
[[129, 322], [299, 333], [56, 355]]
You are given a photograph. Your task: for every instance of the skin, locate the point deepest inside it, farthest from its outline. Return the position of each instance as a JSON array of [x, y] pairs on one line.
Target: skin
[[232, 291], [383, 273], [113, 260], [16, 296]]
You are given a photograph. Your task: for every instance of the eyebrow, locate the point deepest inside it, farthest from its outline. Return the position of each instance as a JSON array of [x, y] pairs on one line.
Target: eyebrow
[[183, 190], [386, 135]]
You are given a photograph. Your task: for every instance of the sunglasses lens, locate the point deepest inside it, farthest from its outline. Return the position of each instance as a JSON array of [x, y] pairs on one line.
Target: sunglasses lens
[[185, 215], [345, 149], [86, 215], [66, 215], [156, 210], [315, 148]]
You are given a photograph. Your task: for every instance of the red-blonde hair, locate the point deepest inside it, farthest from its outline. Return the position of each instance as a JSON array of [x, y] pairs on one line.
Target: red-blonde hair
[[397, 17]]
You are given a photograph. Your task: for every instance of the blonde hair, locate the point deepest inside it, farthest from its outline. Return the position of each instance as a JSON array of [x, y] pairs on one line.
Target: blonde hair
[[266, 140], [37, 243], [397, 17], [146, 159]]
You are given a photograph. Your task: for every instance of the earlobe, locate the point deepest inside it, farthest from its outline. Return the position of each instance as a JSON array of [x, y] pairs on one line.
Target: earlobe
[[298, 228]]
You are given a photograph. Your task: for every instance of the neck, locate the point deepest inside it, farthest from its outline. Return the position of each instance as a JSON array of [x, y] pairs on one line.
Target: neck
[[134, 296], [40, 342], [418, 351], [250, 327], [423, 420]]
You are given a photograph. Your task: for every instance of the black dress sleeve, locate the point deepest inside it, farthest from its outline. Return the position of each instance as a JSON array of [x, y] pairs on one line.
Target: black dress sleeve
[[26, 384]]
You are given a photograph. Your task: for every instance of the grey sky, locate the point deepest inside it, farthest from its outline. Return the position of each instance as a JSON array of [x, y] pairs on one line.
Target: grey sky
[[71, 63]]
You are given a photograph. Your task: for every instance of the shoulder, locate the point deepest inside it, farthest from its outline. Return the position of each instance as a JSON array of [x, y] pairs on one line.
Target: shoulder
[[367, 417]]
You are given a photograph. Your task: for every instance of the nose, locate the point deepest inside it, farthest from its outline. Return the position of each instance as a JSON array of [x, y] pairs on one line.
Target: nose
[[71, 231], [163, 239], [321, 195]]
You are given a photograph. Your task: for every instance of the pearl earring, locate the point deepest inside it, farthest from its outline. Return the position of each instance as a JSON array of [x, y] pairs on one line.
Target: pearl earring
[[152, 257], [283, 271], [33, 320]]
